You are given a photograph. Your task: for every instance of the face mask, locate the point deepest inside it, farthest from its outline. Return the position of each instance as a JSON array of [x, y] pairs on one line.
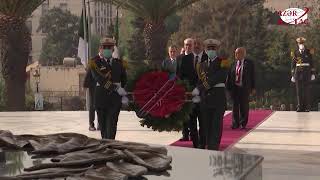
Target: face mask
[[301, 46], [107, 53], [212, 53]]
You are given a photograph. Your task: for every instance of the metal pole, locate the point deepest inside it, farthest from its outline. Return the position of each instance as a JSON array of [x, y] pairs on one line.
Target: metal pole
[[85, 22], [86, 50], [89, 30], [117, 26]]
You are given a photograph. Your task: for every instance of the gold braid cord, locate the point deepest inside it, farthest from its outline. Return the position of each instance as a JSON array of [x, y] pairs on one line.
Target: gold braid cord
[[202, 74], [93, 66]]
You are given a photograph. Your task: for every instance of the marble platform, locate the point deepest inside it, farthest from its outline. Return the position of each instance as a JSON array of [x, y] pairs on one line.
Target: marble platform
[[289, 143], [187, 164]]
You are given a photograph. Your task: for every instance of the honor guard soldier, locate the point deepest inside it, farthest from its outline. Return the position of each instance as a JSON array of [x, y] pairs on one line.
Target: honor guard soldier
[[303, 72], [110, 76], [212, 77]]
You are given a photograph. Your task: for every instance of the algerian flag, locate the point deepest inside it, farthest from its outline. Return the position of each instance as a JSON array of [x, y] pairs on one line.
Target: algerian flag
[[83, 44]]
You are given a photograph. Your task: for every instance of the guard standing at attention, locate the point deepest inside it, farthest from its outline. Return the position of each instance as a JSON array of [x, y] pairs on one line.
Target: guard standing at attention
[[303, 72], [212, 75], [111, 77]]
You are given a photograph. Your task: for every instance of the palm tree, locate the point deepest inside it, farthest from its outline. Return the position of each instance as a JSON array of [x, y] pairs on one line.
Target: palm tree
[[154, 13], [15, 43]]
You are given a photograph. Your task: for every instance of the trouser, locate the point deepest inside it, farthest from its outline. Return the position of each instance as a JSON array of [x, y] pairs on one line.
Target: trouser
[[92, 109], [240, 109], [213, 126], [185, 130], [212, 111], [108, 120], [303, 94], [191, 128]]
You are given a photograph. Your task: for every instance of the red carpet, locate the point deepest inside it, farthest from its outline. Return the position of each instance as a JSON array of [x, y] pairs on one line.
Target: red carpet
[[229, 136]]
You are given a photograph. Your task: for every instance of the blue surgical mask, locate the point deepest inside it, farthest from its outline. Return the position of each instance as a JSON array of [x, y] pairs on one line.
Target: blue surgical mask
[[211, 53], [107, 53]]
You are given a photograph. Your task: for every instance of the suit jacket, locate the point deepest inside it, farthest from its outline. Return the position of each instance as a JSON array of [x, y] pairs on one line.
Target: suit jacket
[[179, 61], [105, 77], [216, 73], [187, 69], [248, 76], [304, 57], [168, 65]]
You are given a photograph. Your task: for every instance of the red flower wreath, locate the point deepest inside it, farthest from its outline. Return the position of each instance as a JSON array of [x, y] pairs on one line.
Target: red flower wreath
[[157, 95]]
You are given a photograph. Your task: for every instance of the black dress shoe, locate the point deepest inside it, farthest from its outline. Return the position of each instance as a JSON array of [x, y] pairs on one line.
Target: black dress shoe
[[307, 110], [243, 127], [299, 110], [92, 128], [234, 126]]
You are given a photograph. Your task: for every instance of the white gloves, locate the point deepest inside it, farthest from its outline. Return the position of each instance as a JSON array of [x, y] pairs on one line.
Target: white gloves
[[121, 91], [125, 101], [195, 92], [196, 99], [293, 79], [313, 77]]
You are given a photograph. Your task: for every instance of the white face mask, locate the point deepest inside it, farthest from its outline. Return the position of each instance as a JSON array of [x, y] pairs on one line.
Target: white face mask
[[301, 46]]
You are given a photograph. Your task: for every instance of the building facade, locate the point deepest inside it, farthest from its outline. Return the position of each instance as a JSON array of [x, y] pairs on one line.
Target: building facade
[[102, 15]]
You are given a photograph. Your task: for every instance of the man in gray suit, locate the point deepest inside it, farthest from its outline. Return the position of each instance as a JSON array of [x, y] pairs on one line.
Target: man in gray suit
[[171, 64]]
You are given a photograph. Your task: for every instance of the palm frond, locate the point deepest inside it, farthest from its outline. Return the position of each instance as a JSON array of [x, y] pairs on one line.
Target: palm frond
[[19, 8]]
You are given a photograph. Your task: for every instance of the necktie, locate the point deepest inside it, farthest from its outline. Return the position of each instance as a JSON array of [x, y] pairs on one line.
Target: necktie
[[196, 61], [238, 72], [109, 63]]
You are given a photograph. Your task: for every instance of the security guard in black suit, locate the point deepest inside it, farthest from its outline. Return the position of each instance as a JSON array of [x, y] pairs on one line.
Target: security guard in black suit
[[110, 76], [212, 77], [303, 72]]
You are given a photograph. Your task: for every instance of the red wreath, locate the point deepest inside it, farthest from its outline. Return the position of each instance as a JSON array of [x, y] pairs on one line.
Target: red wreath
[[157, 95]]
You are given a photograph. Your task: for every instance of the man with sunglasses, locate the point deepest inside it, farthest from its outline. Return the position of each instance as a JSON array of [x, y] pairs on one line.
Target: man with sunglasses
[[110, 77]]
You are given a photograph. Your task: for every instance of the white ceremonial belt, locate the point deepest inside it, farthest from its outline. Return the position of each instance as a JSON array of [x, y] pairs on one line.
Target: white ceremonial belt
[[302, 64], [117, 84], [220, 85]]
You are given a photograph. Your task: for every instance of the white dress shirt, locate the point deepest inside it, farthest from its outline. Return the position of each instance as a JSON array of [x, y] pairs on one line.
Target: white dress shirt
[[241, 72]]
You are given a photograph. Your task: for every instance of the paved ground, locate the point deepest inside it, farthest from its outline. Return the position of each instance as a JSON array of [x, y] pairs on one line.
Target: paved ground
[[289, 141], [37, 123], [290, 144]]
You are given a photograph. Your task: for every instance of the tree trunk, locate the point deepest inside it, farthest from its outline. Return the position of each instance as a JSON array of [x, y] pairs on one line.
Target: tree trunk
[[156, 39], [15, 49]]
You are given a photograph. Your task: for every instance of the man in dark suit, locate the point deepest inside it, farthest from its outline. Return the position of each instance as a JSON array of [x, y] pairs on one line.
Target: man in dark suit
[[90, 83], [110, 77], [212, 75], [188, 72], [241, 83], [188, 48], [303, 72]]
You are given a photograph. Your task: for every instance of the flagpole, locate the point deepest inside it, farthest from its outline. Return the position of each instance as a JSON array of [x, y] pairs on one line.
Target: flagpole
[[86, 48], [89, 30], [85, 25]]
